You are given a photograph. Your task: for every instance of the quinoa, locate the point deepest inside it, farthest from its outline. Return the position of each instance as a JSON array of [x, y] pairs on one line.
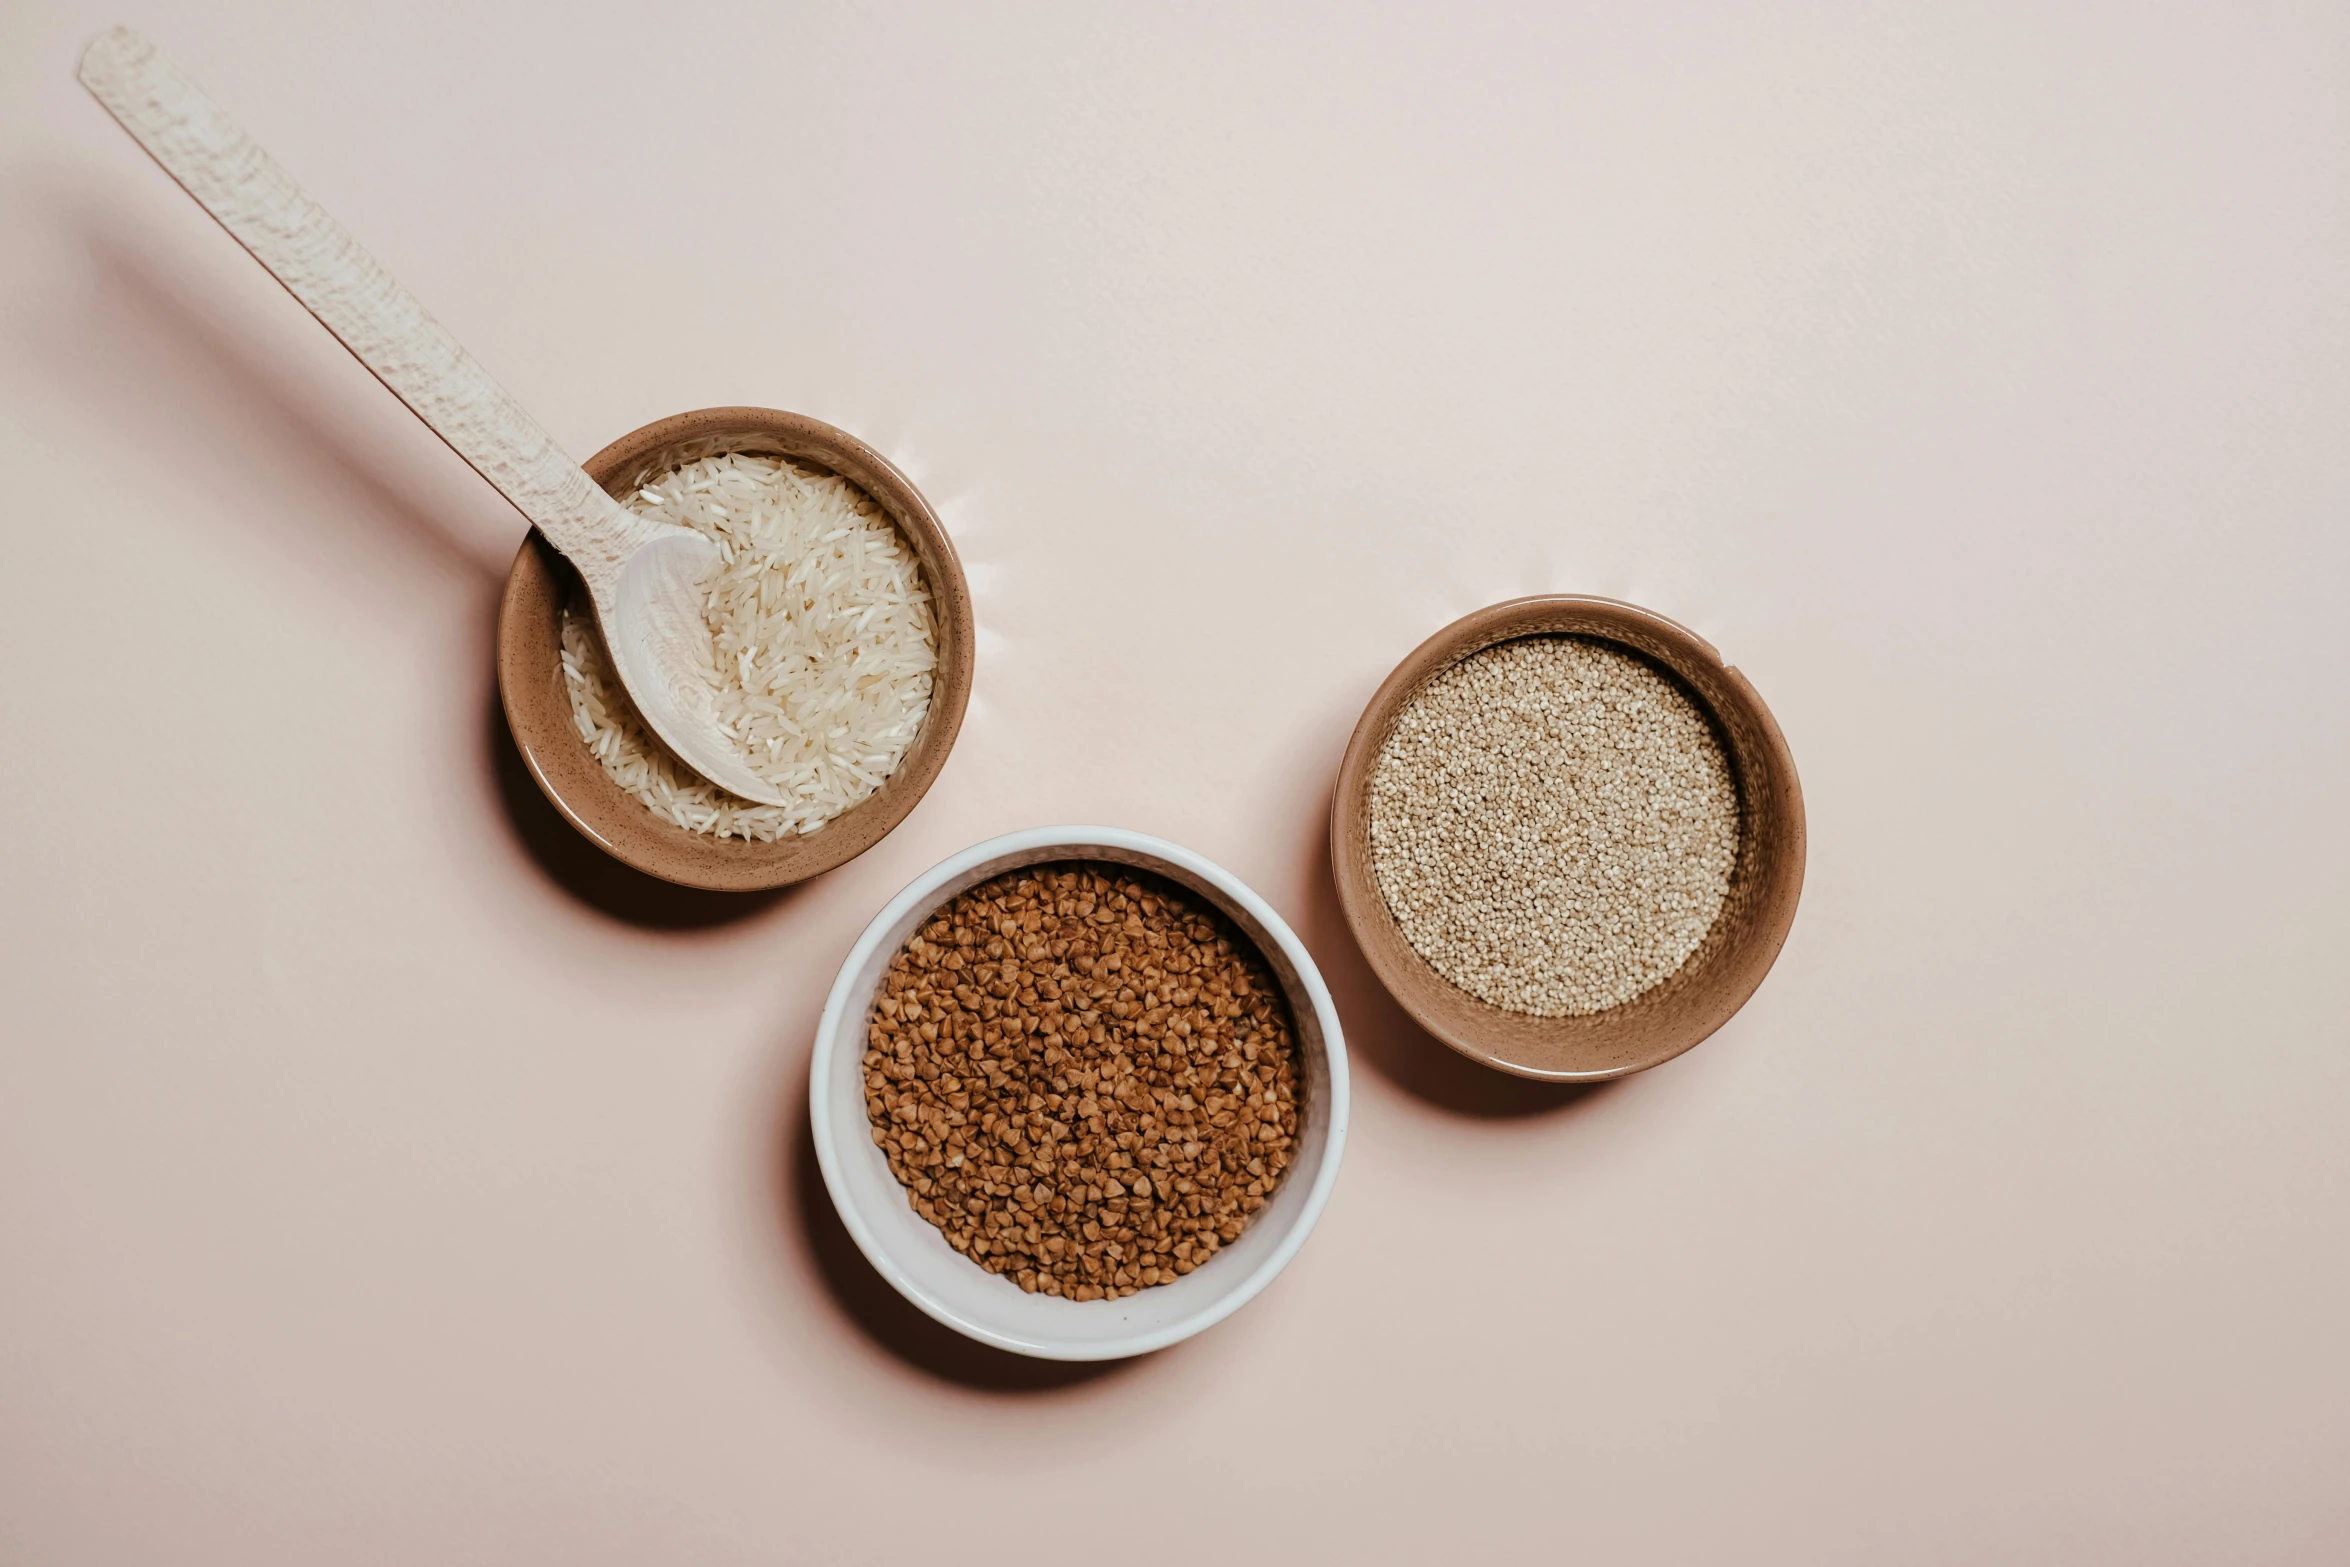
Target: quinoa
[[1553, 825]]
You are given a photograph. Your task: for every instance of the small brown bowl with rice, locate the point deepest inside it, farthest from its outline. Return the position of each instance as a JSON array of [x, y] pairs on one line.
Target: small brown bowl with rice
[[1568, 838], [880, 638]]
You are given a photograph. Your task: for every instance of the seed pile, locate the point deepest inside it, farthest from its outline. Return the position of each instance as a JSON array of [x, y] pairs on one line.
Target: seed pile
[[1084, 1076], [821, 650], [1553, 826]]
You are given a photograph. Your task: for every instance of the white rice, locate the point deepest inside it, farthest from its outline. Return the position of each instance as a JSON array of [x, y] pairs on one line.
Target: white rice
[[822, 649]]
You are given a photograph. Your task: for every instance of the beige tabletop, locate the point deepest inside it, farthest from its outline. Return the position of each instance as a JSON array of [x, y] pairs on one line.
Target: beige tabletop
[[386, 1178]]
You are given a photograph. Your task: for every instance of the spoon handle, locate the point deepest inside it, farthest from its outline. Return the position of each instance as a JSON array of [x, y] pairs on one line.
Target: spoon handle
[[351, 294]]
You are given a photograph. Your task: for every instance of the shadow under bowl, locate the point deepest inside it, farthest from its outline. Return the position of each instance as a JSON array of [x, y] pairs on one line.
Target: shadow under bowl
[[538, 707], [1739, 948]]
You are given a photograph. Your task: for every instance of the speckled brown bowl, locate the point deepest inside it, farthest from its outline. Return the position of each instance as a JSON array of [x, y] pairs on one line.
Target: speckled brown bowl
[[538, 709], [1737, 952]]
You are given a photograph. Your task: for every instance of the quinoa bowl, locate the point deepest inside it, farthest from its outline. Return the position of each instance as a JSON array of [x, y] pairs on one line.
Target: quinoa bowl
[[1655, 992], [944, 1279], [538, 693]]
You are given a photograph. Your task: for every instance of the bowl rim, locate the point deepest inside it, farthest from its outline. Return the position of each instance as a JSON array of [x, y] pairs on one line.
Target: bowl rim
[[843, 1014], [542, 728], [1773, 834]]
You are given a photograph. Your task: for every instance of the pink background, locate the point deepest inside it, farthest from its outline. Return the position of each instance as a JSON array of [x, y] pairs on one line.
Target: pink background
[[384, 1178]]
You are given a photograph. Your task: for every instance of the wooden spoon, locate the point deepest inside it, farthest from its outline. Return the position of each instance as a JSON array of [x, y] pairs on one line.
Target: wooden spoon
[[644, 577]]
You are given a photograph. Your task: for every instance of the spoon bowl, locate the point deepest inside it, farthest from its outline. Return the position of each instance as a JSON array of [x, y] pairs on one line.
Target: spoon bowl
[[659, 640]]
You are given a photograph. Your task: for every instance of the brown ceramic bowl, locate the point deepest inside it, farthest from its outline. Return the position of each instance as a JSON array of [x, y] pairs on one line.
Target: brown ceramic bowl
[[1736, 953], [538, 709]]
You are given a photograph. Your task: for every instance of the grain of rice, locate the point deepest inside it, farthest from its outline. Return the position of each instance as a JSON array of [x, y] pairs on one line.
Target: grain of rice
[[820, 626]]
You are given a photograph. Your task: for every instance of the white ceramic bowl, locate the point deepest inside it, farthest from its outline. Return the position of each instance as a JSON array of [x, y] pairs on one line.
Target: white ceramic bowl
[[908, 1250]]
